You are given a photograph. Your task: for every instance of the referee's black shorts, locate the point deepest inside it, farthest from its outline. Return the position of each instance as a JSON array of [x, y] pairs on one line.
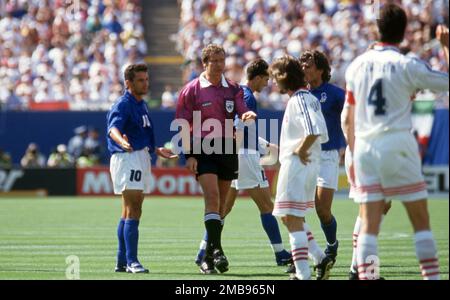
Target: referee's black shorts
[[224, 165]]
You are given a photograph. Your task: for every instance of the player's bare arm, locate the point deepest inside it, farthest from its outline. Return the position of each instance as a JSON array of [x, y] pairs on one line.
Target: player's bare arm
[[166, 153], [191, 164], [348, 125], [250, 115], [120, 139], [442, 36], [302, 150]]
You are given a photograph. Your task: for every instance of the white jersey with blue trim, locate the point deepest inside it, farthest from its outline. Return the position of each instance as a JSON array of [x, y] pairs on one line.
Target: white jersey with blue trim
[[302, 117], [381, 83]]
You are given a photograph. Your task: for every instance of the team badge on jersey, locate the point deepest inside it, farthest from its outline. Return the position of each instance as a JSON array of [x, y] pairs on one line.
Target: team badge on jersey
[[229, 106], [323, 97]]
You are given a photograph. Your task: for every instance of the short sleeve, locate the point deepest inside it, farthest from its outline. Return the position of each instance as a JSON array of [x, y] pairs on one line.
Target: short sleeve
[[118, 116], [185, 104]]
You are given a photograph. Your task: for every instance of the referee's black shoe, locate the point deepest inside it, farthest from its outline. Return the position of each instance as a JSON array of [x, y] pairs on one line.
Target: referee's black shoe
[[207, 265], [220, 261]]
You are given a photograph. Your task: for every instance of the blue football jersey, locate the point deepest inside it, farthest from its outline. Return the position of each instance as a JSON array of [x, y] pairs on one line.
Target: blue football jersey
[[132, 118], [251, 131], [332, 100]]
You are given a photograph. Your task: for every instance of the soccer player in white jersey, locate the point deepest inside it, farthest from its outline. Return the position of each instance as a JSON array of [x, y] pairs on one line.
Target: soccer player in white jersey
[[302, 132], [387, 165]]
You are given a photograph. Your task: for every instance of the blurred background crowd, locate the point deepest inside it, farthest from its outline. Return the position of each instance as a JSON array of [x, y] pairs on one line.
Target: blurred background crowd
[[268, 29], [71, 51]]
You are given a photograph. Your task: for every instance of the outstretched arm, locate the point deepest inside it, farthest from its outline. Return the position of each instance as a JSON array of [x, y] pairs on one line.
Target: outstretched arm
[[120, 139]]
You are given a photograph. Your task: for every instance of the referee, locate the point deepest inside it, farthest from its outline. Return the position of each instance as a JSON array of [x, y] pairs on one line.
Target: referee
[[217, 100]]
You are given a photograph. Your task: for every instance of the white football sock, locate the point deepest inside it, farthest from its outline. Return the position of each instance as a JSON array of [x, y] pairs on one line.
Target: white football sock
[[426, 252], [367, 257], [314, 250], [299, 246]]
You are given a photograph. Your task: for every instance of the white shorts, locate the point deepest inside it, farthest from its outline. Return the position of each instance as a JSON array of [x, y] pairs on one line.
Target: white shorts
[[251, 174], [329, 170], [349, 170], [388, 167], [296, 187], [131, 171]]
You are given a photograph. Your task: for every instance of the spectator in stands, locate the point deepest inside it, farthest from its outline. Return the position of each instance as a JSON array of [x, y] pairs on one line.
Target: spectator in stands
[[87, 159], [33, 158], [168, 98], [10, 101], [93, 144], [76, 143], [60, 158], [5, 160]]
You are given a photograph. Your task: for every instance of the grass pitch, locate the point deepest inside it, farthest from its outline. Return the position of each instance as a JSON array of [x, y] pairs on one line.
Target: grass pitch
[[38, 234]]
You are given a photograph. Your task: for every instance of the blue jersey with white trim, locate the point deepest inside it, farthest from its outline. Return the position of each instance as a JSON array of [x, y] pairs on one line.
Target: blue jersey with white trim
[[332, 99], [131, 117]]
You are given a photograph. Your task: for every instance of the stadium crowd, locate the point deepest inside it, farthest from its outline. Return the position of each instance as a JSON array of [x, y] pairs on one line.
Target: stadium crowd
[[74, 51], [269, 29], [67, 51]]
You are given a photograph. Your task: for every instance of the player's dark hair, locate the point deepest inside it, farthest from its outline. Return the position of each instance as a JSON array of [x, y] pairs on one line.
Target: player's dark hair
[[131, 70], [392, 24], [288, 73], [210, 50], [257, 67], [321, 62]]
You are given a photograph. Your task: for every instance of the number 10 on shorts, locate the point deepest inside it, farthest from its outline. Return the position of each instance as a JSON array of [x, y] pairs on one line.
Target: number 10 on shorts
[[135, 175]]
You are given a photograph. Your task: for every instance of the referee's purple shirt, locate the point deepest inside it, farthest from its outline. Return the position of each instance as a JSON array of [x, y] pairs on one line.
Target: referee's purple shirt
[[211, 101]]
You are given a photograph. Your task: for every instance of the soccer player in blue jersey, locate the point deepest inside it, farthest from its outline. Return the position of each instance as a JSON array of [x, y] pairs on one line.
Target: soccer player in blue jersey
[[251, 174], [130, 140], [318, 73]]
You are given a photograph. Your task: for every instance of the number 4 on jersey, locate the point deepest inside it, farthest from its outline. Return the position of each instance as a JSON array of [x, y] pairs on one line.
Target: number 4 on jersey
[[376, 98]]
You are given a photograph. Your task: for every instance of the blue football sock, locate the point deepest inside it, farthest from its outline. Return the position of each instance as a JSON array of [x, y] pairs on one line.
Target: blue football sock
[[121, 251], [270, 225], [131, 233], [330, 231], [203, 242]]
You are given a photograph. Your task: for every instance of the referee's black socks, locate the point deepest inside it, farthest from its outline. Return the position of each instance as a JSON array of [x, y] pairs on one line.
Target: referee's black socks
[[213, 224]]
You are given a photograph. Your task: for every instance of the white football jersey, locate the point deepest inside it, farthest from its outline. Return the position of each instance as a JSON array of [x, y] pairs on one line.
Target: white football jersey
[[302, 117], [381, 83]]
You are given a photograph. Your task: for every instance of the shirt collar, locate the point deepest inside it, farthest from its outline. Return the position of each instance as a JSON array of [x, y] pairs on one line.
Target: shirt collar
[[204, 83], [383, 46], [300, 90], [320, 87], [131, 97]]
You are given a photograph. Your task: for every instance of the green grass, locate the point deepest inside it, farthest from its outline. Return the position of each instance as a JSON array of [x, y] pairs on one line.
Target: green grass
[[38, 234]]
